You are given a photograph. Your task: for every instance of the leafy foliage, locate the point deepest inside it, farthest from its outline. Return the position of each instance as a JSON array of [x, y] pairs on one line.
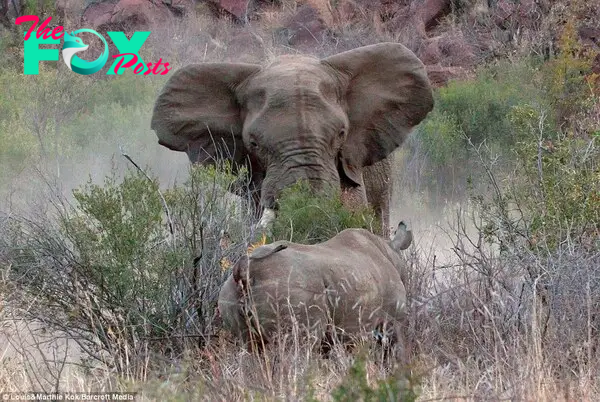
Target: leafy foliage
[[562, 189], [115, 272], [552, 196], [480, 108], [468, 114], [355, 386], [115, 232], [309, 218], [572, 85]]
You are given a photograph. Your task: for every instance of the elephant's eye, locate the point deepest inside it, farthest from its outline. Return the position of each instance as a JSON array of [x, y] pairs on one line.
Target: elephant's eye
[[342, 133], [253, 144]]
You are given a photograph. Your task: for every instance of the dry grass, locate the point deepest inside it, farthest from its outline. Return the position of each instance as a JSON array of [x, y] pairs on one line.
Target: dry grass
[[478, 329]]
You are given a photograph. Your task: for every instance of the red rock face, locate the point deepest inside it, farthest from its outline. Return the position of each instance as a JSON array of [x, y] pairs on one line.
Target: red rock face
[[139, 12], [450, 50], [415, 23], [245, 47], [9, 10], [237, 8], [181, 7], [431, 11], [305, 27], [525, 13], [596, 64], [589, 36], [132, 14], [99, 14]]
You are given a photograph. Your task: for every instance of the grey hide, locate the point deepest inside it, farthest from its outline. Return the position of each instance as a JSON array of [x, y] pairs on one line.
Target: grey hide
[[352, 282]]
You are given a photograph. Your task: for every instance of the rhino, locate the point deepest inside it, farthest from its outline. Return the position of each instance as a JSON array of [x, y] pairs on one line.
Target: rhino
[[349, 285]]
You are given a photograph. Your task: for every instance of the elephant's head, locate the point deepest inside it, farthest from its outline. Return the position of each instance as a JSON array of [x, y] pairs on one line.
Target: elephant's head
[[298, 117]]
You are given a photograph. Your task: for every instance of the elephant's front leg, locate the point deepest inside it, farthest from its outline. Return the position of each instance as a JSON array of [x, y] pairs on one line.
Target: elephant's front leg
[[378, 183], [355, 197]]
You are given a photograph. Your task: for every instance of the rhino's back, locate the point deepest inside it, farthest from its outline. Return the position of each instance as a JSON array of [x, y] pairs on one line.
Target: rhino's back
[[348, 275], [372, 267]]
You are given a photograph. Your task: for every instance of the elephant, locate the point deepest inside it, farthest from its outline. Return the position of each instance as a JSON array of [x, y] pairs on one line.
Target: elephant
[[351, 284], [333, 122]]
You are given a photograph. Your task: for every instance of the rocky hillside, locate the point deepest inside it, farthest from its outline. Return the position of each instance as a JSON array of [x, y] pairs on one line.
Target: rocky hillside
[[450, 36]]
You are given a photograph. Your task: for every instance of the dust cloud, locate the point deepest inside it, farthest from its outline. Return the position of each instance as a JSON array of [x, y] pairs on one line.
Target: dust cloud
[[28, 189]]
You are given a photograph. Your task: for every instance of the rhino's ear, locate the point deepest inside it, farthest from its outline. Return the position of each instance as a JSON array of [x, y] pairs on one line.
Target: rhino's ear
[[268, 249], [402, 238]]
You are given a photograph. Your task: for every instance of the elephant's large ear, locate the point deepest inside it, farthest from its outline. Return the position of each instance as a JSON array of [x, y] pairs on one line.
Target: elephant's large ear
[[197, 111], [387, 94]]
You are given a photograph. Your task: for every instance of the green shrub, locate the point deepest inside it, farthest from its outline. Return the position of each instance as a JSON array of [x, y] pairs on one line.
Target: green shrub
[[58, 114], [443, 139], [551, 196], [561, 189], [119, 275], [480, 107], [570, 81], [127, 89], [440, 144], [468, 113], [15, 152], [355, 387], [309, 218], [115, 231], [8, 48], [108, 124]]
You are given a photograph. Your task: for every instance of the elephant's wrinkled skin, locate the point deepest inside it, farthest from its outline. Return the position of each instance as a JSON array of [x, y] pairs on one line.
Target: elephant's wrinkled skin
[[332, 121], [352, 282]]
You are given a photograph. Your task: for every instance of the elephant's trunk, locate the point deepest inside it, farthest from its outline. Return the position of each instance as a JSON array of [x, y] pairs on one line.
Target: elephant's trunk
[[289, 170], [318, 177]]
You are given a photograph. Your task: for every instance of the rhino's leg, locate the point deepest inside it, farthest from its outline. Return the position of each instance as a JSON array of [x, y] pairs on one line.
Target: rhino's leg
[[236, 303], [395, 348], [254, 335], [331, 338], [389, 336]]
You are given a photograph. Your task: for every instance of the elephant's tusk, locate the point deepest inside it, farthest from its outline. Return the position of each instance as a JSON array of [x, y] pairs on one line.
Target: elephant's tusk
[[267, 217]]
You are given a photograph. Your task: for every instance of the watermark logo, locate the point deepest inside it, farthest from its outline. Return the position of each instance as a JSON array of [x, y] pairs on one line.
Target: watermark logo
[[72, 44], [128, 56]]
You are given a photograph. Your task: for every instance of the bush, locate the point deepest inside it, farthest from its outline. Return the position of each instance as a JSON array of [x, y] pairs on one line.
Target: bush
[[355, 386], [112, 274], [470, 113], [523, 290], [572, 87], [480, 108], [551, 195], [560, 190], [309, 218]]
